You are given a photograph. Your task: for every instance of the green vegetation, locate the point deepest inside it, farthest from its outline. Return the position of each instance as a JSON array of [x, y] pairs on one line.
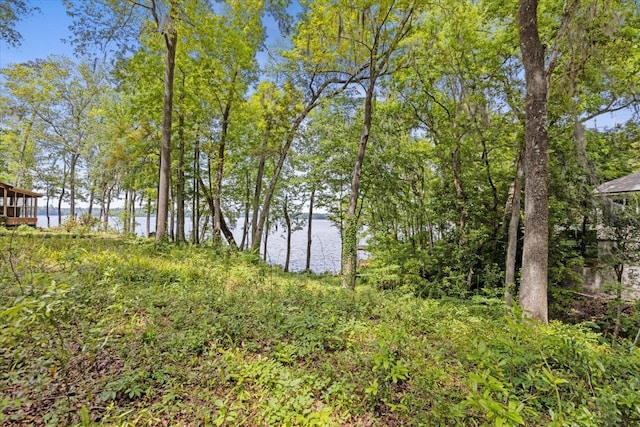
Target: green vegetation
[[131, 332]]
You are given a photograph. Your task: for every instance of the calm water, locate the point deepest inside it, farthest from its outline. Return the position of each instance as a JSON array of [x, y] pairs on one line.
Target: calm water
[[325, 243]]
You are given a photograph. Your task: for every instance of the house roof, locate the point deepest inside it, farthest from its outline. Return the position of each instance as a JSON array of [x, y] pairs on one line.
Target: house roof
[[625, 184], [11, 189]]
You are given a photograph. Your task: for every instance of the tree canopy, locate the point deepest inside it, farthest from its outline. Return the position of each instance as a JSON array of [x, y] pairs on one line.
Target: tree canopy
[[411, 121]]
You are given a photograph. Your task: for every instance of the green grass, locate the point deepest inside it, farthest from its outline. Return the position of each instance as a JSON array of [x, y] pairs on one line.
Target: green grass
[[125, 332]]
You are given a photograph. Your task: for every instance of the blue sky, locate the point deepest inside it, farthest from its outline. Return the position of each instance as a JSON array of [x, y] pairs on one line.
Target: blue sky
[[42, 34]]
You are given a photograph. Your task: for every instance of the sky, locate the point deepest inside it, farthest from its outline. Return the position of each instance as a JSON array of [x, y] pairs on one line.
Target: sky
[[42, 34]]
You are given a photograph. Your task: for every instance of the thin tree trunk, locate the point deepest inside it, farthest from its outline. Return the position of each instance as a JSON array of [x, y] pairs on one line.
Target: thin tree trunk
[[72, 185], [533, 289], [149, 217], [512, 240], [350, 234], [107, 211], [125, 212], [195, 207], [287, 221], [266, 238], [47, 209], [247, 208], [311, 201], [462, 199], [172, 219], [255, 236], [62, 193], [180, 184], [132, 215], [220, 169], [228, 234], [291, 134], [92, 196], [171, 40], [103, 197], [203, 229]]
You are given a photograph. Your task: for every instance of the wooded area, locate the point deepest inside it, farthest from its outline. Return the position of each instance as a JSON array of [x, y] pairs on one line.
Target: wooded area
[[427, 124], [488, 151]]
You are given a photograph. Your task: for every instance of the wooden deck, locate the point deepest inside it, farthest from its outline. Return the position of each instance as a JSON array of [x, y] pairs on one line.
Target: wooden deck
[[14, 222]]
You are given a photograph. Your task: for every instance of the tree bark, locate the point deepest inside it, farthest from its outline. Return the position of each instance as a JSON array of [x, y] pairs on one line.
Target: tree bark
[[180, 176], [247, 208], [308, 263], [533, 288], [72, 184], [266, 239], [125, 213], [220, 169], [195, 207], [149, 217], [92, 197], [62, 193], [255, 236], [350, 235], [171, 40], [287, 221], [223, 224], [47, 208], [512, 240]]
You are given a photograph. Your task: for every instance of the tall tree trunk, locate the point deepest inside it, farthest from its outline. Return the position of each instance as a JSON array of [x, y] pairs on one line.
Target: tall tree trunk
[[350, 234], [92, 197], [107, 211], [125, 213], [180, 184], [512, 239], [172, 218], [217, 195], [195, 207], [247, 209], [291, 134], [149, 217], [533, 288], [62, 193], [461, 196], [47, 209], [103, 197], [72, 185], [266, 239], [255, 236], [311, 201], [287, 221], [171, 40], [132, 214]]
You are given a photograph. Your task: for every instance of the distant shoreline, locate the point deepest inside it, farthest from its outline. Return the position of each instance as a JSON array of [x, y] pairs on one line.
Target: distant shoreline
[[139, 213]]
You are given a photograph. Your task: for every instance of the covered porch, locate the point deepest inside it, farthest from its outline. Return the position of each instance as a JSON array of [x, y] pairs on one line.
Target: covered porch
[[18, 206]]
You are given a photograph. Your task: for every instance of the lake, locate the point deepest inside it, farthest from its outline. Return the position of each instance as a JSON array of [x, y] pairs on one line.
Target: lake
[[325, 243]]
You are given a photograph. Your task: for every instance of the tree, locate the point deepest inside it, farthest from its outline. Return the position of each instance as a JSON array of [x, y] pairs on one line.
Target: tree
[[116, 16], [363, 41], [58, 99], [12, 12], [533, 289]]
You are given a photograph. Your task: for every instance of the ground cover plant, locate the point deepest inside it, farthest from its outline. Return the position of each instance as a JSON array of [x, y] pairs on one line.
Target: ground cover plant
[[129, 332]]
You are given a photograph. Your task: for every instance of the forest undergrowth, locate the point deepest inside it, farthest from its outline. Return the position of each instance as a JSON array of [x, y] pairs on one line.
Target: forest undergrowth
[[110, 331]]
